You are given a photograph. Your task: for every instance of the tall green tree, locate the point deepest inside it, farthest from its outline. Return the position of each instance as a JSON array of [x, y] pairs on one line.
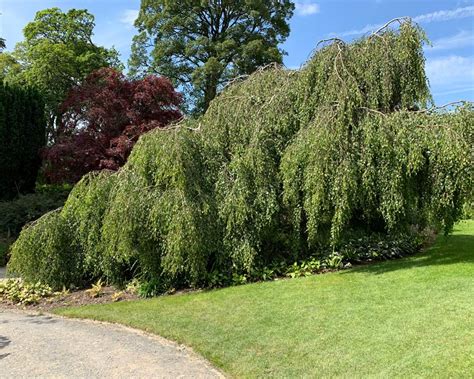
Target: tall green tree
[[57, 54], [9, 67], [201, 44]]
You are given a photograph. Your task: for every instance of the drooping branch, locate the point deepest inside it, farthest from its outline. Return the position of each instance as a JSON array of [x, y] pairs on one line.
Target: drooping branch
[[373, 111], [400, 20], [335, 40], [436, 108]]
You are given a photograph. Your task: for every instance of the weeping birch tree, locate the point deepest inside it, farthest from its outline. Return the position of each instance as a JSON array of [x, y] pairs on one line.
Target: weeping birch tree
[[284, 164]]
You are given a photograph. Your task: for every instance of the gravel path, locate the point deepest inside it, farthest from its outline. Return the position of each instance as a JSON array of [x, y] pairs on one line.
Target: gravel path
[[45, 346]]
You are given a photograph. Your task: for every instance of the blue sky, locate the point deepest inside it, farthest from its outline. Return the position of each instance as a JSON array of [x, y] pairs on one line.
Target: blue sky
[[448, 23]]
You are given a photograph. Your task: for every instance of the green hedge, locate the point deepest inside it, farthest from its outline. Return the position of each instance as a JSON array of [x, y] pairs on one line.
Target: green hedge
[[23, 134]]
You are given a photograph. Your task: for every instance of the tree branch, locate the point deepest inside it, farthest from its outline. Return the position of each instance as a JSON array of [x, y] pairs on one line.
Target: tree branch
[[400, 20]]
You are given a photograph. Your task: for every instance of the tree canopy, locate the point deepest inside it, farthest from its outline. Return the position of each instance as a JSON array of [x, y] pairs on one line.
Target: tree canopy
[[56, 54], [283, 165], [102, 118], [200, 45]]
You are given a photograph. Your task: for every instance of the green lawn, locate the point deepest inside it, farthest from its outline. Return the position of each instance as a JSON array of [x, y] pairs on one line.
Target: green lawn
[[406, 318]]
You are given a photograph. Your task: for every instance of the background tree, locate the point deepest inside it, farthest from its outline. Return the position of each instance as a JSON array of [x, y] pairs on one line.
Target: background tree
[[202, 44], [57, 54], [22, 135], [9, 67], [103, 118]]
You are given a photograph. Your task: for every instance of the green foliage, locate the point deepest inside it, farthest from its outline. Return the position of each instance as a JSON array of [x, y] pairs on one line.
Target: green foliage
[[243, 154], [22, 132], [84, 211], [152, 288], [305, 268], [396, 170], [9, 66], [158, 218], [56, 54], [468, 211], [200, 45], [146, 288], [17, 291], [372, 248], [353, 251], [285, 166], [16, 213], [46, 251]]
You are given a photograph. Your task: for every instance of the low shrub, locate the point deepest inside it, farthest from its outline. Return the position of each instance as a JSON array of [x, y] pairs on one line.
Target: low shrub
[[96, 290], [17, 291], [16, 213], [354, 251], [151, 288], [370, 248], [146, 288]]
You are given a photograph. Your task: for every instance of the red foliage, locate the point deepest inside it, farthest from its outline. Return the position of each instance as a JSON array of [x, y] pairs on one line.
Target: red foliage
[[103, 118]]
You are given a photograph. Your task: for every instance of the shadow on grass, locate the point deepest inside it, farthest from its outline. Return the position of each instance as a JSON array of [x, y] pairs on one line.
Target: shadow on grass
[[453, 249]]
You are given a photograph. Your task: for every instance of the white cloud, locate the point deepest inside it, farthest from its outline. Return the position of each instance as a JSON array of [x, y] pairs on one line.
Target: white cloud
[[306, 8], [456, 90], [443, 15], [462, 39], [450, 71], [354, 32], [453, 14], [129, 16]]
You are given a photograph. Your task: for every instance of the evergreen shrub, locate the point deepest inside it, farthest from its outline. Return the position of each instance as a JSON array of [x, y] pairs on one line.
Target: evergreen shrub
[[22, 135], [16, 213]]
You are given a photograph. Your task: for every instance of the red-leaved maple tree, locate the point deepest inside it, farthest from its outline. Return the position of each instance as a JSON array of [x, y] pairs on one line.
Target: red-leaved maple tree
[[103, 118]]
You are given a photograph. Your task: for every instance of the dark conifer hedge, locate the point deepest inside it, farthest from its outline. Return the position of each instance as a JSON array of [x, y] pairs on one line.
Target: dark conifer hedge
[[22, 135]]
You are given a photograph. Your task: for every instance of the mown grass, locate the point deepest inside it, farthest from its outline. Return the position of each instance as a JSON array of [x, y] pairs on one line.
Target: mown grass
[[406, 318]]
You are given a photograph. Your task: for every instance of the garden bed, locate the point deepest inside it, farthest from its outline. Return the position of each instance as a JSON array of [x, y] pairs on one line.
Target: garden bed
[[108, 294]]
